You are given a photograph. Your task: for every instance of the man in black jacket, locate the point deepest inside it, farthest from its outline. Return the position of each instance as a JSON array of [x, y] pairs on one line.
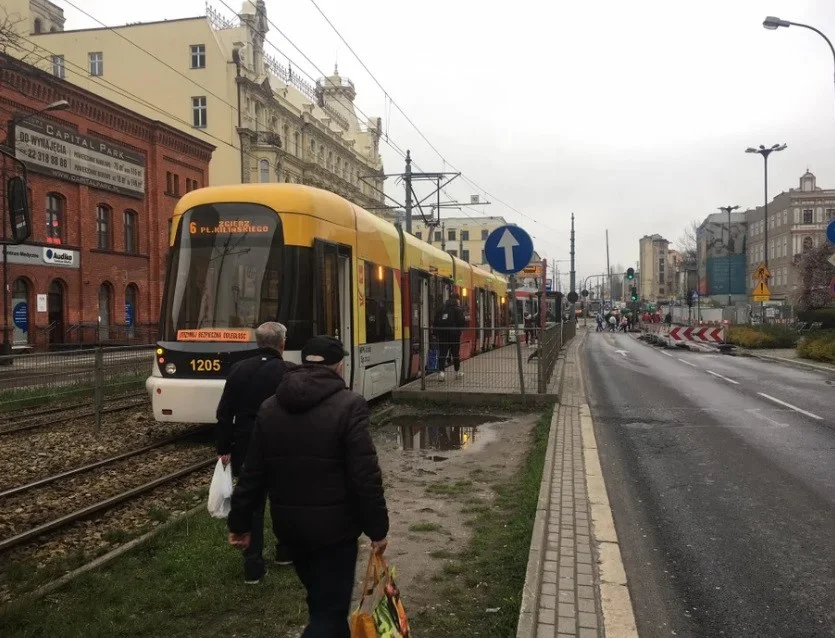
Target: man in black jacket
[[312, 452], [449, 321], [251, 382]]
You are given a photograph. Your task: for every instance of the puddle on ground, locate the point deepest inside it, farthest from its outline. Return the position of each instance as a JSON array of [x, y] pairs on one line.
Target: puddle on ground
[[443, 432]]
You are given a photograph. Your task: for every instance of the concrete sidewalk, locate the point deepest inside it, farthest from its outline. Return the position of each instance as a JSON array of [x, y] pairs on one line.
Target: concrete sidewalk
[[575, 583]]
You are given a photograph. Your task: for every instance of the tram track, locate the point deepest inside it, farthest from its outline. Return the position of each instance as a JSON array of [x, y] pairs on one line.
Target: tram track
[[30, 508], [12, 424]]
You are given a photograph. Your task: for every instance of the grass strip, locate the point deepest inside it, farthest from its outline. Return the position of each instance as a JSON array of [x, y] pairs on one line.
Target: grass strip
[[490, 572], [186, 582]]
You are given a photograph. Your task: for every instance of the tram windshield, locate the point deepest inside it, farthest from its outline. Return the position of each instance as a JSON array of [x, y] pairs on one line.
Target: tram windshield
[[230, 272]]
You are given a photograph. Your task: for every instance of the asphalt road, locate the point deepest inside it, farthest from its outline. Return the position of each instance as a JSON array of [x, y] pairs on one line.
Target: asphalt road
[[721, 476]]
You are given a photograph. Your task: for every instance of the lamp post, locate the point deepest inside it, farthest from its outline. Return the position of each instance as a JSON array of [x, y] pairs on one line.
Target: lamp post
[[772, 24], [6, 350], [765, 152], [728, 210]]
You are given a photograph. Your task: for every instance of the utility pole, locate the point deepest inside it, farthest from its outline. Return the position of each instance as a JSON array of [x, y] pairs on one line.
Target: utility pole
[[573, 272], [408, 180], [609, 272]]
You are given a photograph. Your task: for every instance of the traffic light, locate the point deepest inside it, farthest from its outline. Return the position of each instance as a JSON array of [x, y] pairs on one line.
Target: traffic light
[[630, 275], [634, 293]]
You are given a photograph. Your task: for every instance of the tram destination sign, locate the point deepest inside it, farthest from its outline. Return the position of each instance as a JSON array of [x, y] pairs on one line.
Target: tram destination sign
[[67, 154]]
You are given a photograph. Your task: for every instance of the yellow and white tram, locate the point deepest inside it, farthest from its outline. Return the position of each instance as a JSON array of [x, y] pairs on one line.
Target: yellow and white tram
[[245, 254]]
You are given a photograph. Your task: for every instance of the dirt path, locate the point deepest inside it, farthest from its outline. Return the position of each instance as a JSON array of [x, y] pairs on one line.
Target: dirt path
[[432, 493]]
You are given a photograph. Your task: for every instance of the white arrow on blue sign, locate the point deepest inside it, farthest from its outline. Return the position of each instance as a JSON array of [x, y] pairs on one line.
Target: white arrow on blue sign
[[508, 249], [830, 232]]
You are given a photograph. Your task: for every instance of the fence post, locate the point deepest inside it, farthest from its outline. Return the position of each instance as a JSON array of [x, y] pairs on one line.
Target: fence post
[[422, 359], [98, 387], [540, 363], [513, 314]]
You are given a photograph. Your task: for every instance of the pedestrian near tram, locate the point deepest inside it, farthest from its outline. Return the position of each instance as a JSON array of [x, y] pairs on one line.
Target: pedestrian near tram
[[312, 452], [251, 382]]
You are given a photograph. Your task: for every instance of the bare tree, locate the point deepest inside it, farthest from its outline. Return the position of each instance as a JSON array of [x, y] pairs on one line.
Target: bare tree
[[687, 244], [815, 273], [12, 40]]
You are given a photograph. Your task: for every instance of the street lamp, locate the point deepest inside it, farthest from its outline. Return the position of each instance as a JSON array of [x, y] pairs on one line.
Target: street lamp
[[772, 24], [765, 152], [6, 349], [728, 210]]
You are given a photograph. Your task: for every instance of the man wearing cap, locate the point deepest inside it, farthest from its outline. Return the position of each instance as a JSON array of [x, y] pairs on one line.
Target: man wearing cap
[[249, 383], [312, 452]]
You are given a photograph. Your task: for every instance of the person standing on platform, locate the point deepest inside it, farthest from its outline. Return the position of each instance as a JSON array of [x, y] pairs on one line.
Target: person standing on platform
[[251, 382], [312, 452], [449, 322]]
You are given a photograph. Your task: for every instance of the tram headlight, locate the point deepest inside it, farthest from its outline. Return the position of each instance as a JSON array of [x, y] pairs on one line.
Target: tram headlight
[[170, 368]]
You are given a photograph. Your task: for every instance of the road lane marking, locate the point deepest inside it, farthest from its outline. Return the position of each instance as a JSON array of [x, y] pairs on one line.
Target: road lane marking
[[666, 353], [721, 377], [789, 405], [687, 363], [758, 412]]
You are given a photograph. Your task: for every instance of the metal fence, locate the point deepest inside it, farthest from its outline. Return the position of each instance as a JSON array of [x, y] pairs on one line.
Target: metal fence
[[73, 378], [489, 359]]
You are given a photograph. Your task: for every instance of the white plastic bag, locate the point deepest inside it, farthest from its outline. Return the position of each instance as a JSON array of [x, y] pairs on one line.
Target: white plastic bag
[[220, 491]]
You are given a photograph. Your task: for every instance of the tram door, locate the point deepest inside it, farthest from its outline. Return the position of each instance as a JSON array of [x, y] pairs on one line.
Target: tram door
[[333, 299]]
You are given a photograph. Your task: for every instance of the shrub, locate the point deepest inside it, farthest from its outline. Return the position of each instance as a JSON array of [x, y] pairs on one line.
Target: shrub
[[820, 347], [826, 316], [753, 337]]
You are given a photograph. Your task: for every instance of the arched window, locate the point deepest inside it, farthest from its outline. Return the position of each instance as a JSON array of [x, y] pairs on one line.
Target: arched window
[[264, 171], [330, 161], [38, 25], [322, 155], [297, 143], [105, 306], [20, 311], [131, 238], [131, 309], [103, 214], [339, 166], [54, 218], [808, 244]]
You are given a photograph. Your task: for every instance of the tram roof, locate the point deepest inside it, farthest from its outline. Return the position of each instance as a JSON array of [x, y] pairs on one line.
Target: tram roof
[[282, 198]]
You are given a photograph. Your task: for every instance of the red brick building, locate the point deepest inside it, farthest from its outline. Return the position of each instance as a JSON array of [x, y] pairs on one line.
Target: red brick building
[[103, 182]]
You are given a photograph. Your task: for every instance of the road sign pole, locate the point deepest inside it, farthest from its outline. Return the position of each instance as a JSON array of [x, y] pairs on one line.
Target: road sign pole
[[513, 313]]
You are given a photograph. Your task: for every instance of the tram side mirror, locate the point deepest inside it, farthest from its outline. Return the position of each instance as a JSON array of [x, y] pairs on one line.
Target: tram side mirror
[[18, 209]]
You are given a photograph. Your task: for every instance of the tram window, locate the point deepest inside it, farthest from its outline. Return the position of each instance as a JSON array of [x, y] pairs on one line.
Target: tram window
[[379, 303], [228, 269]]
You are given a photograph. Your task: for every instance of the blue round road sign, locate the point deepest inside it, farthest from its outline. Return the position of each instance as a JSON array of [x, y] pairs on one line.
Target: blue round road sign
[[830, 232], [20, 316], [508, 249]]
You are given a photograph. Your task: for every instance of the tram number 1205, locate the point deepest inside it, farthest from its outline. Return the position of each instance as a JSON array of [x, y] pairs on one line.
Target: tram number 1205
[[205, 365]]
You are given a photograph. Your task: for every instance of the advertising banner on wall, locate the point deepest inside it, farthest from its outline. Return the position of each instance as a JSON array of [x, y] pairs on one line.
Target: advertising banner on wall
[[66, 154], [721, 255]]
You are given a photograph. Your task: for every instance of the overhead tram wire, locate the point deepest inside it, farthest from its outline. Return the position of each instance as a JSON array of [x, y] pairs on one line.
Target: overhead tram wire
[[191, 80], [409, 120], [125, 93], [100, 81], [396, 147]]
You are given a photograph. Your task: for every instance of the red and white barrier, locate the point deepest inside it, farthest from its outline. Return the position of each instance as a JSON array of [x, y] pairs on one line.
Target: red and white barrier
[[698, 335]]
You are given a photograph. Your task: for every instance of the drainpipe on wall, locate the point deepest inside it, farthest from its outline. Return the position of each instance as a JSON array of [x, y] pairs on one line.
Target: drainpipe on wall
[[236, 58]]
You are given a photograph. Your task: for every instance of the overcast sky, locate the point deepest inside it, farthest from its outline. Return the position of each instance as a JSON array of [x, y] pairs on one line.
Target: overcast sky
[[633, 115]]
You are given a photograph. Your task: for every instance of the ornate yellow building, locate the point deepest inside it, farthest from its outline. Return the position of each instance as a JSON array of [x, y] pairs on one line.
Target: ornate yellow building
[[211, 76]]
